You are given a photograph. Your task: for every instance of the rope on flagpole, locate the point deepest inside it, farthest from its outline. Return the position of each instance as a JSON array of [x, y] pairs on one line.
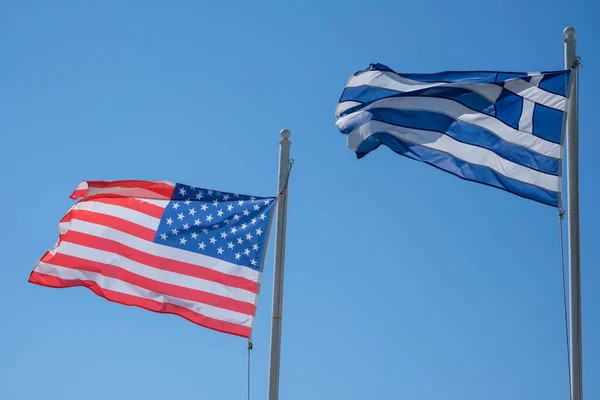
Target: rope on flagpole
[[561, 215], [250, 346], [287, 179]]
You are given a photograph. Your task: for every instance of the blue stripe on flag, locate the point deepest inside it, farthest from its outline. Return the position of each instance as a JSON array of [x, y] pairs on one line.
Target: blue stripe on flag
[[369, 94], [458, 167], [455, 77]]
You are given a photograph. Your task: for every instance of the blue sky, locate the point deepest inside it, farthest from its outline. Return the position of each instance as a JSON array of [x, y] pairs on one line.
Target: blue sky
[[401, 281]]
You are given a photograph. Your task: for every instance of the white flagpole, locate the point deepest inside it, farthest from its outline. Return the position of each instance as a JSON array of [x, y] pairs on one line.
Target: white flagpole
[[572, 142], [284, 169]]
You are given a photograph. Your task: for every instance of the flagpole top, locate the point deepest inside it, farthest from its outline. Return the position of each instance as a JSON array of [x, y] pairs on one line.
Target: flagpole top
[[285, 134], [569, 32]]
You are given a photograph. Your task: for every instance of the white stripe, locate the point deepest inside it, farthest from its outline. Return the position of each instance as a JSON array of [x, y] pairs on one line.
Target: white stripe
[[120, 212], [159, 203], [159, 249], [119, 286], [345, 105], [466, 152], [160, 275], [535, 94], [526, 120], [392, 81], [83, 185], [462, 113]]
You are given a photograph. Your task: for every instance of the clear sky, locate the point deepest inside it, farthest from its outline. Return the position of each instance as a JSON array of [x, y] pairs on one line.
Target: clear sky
[[402, 281]]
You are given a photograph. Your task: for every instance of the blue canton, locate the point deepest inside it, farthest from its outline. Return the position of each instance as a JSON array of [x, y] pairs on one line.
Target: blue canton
[[227, 226]]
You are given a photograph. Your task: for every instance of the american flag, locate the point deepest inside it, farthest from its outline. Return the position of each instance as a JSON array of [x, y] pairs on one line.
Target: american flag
[[165, 247]]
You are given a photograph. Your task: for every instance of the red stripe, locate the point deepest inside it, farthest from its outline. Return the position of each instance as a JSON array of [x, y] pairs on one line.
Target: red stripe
[[163, 263], [162, 189], [78, 193], [128, 202], [111, 221], [112, 271], [151, 305]]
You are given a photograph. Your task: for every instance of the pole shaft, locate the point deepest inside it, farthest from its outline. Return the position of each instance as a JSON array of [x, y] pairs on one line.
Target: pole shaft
[[572, 142], [278, 272]]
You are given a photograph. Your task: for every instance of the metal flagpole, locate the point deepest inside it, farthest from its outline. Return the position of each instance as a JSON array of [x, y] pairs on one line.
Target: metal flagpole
[[572, 142], [284, 169]]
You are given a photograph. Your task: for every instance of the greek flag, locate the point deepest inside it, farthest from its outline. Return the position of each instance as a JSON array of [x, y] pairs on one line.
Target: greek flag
[[503, 129]]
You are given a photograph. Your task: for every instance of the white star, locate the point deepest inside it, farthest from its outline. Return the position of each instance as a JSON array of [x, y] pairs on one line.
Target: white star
[[182, 240], [215, 203], [247, 251], [186, 227], [192, 211], [267, 202], [176, 205], [263, 216], [246, 213], [244, 226], [213, 240], [195, 235], [163, 236], [220, 213], [241, 203], [229, 207], [230, 245], [225, 197], [202, 245], [236, 195], [175, 231], [248, 236], [220, 250], [209, 192], [240, 240], [255, 247], [226, 221], [256, 207], [216, 226], [236, 217], [253, 261], [199, 196], [180, 216], [223, 235], [169, 221], [233, 230], [253, 221], [209, 218], [204, 207], [187, 202], [252, 198], [204, 230], [197, 222], [182, 191], [259, 231], [237, 256]]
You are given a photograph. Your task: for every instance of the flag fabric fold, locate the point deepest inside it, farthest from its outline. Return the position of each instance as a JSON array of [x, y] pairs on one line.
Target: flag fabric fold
[[502, 129], [165, 247]]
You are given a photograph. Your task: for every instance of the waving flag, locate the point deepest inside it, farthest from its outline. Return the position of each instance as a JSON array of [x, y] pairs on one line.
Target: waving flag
[[502, 129], [165, 247]]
